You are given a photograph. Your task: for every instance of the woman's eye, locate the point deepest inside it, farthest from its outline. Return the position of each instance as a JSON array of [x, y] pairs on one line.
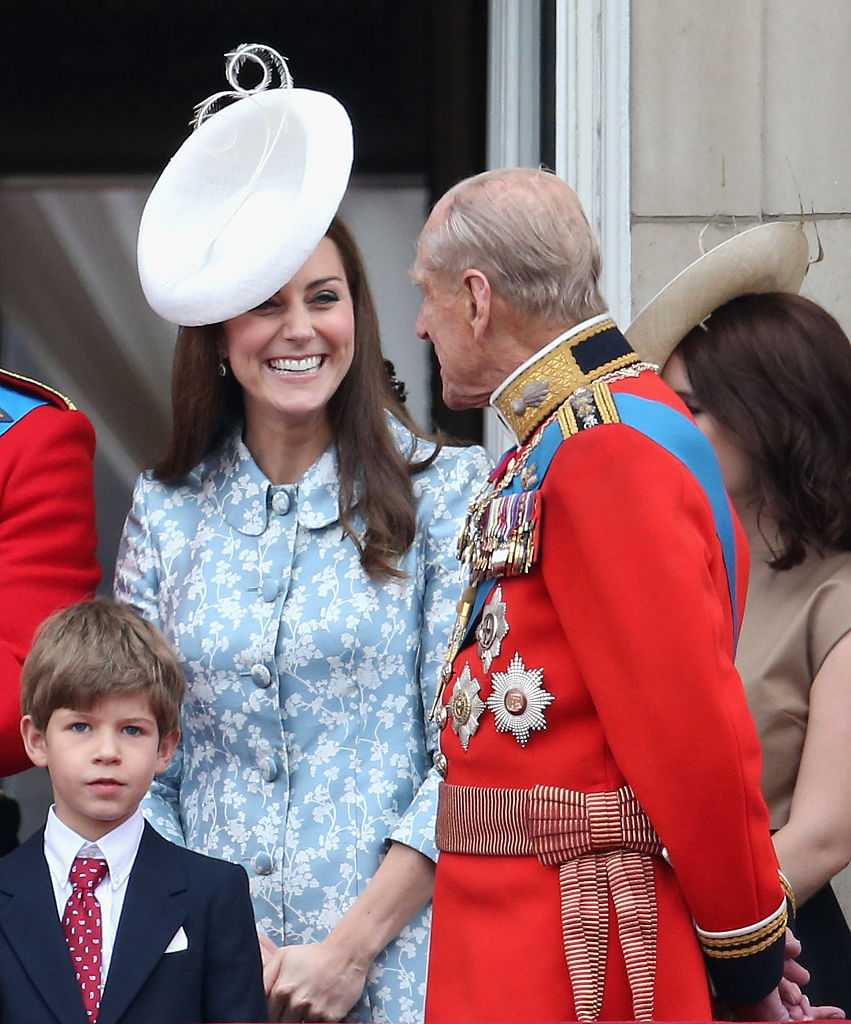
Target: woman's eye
[[265, 307], [325, 298]]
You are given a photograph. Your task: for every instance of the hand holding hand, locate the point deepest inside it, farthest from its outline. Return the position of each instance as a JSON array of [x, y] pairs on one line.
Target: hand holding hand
[[794, 976], [318, 982], [770, 1008]]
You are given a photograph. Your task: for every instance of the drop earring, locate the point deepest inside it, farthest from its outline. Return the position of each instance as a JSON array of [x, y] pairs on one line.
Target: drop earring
[[223, 368]]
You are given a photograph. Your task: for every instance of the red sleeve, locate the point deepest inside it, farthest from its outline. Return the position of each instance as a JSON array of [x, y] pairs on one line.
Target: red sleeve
[[645, 594], [47, 543]]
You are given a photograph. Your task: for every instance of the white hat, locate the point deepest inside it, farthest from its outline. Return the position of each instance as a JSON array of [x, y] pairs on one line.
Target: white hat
[[768, 258], [247, 197]]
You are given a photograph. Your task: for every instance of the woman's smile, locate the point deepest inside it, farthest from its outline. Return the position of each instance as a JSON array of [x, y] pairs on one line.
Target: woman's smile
[[303, 335], [300, 367]]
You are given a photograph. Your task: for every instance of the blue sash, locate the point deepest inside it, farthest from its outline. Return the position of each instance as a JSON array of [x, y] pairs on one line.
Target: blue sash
[[676, 434], [14, 406], [684, 440]]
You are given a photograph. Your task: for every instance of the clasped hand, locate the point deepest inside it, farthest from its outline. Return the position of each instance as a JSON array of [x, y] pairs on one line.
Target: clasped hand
[[317, 982], [787, 1001]]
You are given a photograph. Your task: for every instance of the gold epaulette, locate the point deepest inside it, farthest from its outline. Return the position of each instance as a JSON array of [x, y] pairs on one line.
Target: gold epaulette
[[587, 407]]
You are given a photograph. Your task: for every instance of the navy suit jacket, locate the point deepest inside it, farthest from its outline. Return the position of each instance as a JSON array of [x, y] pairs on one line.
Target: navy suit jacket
[[217, 978]]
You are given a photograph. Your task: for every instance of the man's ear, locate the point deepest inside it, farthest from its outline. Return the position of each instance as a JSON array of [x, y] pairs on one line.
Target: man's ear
[[167, 747], [34, 742], [479, 301]]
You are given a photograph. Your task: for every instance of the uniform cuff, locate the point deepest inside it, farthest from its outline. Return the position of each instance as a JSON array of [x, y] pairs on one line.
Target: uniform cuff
[[747, 963]]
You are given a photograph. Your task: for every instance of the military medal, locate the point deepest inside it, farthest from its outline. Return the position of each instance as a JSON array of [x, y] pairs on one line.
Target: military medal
[[465, 706], [456, 638], [508, 539], [518, 700], [499, 538], [492, 629]]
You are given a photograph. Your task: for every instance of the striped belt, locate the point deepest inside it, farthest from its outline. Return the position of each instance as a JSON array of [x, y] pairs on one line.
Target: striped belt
[[602, 844]]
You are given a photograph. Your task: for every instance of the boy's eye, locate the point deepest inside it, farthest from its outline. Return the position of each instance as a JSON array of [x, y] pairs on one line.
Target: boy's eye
[[79, 726], [132, 730]]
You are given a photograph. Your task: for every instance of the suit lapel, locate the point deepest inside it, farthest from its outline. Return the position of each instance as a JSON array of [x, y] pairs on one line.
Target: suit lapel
[[151, 914], [33, 930]]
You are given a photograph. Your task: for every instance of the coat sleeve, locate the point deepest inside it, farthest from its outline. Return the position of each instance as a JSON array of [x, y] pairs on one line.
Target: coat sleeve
[[233, 975], [458, 474], [47, 544], [137, 583], [642, 592]]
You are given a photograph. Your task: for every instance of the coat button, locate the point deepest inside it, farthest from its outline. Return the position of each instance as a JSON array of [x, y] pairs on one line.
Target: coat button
[[262, 864], [441, 763], [270, 589], [281, 502], [270, 768], [261, 676]]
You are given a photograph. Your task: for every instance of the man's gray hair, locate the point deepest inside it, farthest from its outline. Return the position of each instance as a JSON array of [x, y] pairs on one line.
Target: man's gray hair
[[527, 232]]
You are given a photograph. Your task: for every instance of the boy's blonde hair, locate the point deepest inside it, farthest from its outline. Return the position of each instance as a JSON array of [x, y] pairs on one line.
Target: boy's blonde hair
[[97, 649]]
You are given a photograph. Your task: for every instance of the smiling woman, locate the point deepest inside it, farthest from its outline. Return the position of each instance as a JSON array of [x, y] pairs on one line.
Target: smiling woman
[[297, 546], [289, 356]]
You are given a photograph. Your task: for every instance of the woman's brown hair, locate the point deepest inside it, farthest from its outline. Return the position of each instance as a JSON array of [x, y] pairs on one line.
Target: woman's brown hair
[[775, 370], [207, 408]]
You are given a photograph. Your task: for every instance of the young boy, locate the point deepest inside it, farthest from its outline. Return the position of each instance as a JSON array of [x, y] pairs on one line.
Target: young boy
[[167, 935]]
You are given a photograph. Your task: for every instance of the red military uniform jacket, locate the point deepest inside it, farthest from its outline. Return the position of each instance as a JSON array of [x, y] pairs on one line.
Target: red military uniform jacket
[[47, 531], [601, 663]]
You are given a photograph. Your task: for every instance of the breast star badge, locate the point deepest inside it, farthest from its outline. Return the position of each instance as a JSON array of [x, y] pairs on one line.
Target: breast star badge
[[466, 706], [518, 700], [492, 629]]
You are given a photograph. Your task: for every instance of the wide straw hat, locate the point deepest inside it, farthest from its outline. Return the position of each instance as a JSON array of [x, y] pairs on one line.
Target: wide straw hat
[[247, 197], [768, 258]]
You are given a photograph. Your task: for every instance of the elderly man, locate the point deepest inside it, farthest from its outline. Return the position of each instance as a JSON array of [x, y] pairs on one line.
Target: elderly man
[[603, 838]]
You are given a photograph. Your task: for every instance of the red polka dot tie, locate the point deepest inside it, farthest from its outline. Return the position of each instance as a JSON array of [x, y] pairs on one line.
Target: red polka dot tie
[[81, 923]]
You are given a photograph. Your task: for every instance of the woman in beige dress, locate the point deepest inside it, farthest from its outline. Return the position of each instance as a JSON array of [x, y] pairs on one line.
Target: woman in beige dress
[[768, 379]]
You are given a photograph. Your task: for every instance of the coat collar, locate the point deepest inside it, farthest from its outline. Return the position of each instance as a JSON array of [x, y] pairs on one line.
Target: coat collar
[[573, 360], [234, 484]]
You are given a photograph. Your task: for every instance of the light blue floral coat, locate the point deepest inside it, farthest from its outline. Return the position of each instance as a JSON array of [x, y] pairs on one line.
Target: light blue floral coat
[[306, 744]]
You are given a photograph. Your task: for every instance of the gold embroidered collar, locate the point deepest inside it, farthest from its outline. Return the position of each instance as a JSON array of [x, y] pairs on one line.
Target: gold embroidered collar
[[575, 359]]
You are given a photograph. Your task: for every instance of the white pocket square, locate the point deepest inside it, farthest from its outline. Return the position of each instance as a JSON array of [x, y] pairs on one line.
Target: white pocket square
[[178, 942]]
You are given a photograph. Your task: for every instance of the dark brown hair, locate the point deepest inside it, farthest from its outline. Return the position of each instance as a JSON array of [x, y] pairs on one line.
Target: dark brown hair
[[97, 649], [207, 408], [775, 370]]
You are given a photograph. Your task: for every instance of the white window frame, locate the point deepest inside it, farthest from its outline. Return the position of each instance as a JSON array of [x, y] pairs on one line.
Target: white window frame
[[592, 123]]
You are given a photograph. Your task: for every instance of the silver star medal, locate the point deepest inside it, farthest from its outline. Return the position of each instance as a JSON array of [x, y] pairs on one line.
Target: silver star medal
[[518, 700], [466, 706], [492, 629]]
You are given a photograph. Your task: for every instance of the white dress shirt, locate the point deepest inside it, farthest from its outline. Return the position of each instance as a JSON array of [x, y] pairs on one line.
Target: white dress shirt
[[118, 848]]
